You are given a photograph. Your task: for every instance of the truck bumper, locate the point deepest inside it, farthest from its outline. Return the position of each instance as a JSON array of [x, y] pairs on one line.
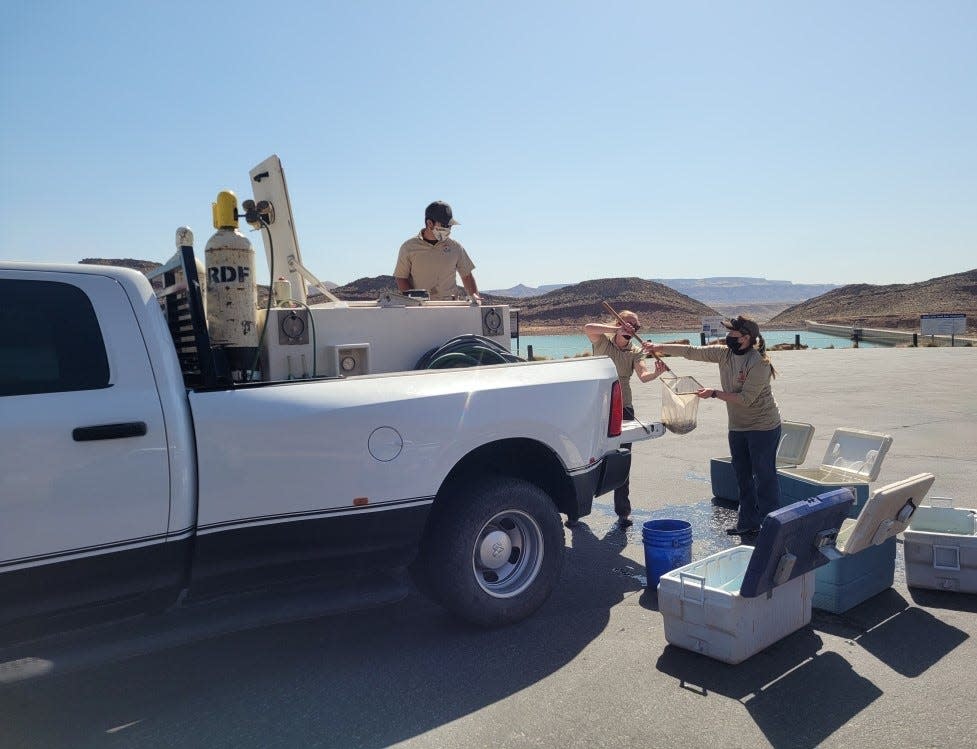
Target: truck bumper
[[604, 477]]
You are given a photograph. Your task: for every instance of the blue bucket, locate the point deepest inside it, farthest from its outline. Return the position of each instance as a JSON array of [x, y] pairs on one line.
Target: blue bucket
[[668, 545]]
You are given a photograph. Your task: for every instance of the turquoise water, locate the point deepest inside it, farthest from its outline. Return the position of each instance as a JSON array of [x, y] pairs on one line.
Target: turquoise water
[[560, 346]]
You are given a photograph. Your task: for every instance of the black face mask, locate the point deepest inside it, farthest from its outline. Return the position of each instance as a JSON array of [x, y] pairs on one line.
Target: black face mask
[[733, 343]]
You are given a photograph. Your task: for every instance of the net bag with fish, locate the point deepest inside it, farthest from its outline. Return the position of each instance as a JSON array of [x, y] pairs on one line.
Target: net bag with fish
[[680, 404]]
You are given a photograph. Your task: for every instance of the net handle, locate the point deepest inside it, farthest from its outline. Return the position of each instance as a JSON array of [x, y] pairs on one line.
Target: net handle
[[621, 320]]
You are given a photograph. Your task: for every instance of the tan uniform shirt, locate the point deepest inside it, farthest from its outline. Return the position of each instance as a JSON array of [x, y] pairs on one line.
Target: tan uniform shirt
[[623, 360], [433, 266], [748, 375]]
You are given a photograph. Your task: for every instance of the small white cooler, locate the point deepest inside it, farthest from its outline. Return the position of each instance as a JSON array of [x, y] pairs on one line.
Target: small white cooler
[[853, 460], [734, 604], [795, 439], [940, 547]]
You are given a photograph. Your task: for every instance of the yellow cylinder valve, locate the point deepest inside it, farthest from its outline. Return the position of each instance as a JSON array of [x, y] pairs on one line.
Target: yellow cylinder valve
[[225, 210]]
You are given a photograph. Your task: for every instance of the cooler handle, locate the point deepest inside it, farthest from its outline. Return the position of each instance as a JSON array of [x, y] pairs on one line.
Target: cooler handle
[[697, 585], [946, 558], [941, 501], [784, 567]]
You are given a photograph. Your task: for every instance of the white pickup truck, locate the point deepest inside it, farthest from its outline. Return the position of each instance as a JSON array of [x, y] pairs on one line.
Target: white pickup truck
[[122, 481]]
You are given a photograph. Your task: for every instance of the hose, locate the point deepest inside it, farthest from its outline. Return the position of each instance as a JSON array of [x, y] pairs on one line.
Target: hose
[[466, 351]]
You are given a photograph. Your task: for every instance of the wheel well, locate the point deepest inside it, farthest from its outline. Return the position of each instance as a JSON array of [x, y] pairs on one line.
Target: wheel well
[[521, 458]]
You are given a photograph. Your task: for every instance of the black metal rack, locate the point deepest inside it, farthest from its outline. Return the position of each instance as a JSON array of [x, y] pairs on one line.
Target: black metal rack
[[182, 301]]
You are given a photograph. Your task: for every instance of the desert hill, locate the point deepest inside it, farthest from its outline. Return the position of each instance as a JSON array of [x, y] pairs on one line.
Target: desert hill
[[717, 291], [365, 288], [569, 307], [143, 266], [896, 306], [657, 305]]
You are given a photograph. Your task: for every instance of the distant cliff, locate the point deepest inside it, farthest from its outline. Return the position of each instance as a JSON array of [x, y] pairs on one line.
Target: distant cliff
[[569, 307], [720, 290], [892, 306], [734, 290]]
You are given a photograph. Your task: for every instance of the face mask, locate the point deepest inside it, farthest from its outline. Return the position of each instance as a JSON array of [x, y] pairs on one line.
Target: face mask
[[733, 343], [441, 233]]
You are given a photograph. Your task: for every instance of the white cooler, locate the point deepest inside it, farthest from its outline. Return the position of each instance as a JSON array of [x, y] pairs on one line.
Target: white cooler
[[734, 604], [940, 547]]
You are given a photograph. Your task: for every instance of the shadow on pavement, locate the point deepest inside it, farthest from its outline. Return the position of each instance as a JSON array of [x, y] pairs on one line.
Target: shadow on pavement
[[938, 599], [797, 696], [368, 678], [906, 638]]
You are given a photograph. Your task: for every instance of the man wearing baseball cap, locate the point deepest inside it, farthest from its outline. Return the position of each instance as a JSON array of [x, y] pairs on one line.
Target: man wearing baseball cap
[[431, 259]]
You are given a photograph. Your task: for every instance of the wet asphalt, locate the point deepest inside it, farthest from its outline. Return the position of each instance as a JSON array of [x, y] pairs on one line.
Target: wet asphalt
[[592, 668]]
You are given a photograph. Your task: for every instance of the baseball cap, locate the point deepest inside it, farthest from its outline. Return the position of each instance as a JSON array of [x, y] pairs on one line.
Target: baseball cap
[[743, 325], [440, 213]]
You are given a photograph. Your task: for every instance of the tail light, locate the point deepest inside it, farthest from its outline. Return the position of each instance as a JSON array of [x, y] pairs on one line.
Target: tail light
[[616, 417]]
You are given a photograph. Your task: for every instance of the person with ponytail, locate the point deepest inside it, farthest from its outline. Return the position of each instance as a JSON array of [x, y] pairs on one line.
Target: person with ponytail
[[745, 373]]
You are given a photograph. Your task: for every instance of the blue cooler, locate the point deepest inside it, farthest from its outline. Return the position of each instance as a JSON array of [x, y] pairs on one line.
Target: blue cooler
[[737, 602], [864, 561], [795, 439], [852, 461]]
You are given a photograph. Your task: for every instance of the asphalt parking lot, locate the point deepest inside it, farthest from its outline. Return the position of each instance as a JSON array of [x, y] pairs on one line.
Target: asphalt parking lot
[[592, 667]]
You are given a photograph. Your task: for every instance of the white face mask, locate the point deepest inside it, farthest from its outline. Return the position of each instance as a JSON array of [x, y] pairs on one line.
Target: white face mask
[[441, 233]]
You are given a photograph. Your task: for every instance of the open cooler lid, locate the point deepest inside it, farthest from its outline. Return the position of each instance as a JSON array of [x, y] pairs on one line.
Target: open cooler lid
[[791, 539], [886, 513], [795, 439], [855, 454]]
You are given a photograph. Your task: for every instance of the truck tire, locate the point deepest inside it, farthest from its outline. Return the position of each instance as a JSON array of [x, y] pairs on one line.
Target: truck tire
[[494, 551]]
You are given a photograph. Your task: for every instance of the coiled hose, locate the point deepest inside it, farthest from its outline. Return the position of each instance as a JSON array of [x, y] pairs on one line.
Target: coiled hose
[[466, 351]]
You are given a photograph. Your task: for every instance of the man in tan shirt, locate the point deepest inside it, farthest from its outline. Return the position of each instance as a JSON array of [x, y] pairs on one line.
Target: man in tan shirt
[[431, 259]]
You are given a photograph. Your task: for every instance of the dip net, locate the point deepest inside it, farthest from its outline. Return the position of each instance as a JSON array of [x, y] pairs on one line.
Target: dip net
[[680, 404]]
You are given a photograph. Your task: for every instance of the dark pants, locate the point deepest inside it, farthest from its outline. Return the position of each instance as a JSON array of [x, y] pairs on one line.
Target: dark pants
[[622, 495], [754, 457]]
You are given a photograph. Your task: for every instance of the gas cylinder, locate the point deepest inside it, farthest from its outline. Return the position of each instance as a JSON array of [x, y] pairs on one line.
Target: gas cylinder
[[232, 294]]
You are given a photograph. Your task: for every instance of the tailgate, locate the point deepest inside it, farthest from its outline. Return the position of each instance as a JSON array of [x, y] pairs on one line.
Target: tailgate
[[637, 431]]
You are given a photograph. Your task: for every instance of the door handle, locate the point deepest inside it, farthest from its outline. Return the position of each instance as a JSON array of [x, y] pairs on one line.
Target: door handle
[[109, 431]]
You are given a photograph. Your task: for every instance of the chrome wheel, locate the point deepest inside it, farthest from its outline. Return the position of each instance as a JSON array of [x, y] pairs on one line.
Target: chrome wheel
[[508, 554]]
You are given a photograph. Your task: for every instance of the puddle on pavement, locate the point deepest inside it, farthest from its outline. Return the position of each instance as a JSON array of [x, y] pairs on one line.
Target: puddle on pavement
[[709, 519], [632, 572], [709, 522]]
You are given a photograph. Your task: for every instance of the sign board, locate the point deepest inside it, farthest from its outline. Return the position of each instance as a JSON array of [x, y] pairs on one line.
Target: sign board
[[948, 324], [712, 326]]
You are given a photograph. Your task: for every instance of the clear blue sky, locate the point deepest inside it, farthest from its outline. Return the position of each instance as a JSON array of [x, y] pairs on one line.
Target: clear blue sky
[[826, 142]]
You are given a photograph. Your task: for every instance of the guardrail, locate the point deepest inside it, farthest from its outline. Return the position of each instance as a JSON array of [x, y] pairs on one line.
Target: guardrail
[[890, 337]]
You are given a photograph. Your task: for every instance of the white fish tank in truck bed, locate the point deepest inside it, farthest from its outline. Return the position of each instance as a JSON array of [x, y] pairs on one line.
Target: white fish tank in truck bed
[[334, 338], [347, 338]]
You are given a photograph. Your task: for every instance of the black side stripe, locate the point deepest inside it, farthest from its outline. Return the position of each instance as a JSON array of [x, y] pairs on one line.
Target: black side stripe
[[256, 520], [159, 537]]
